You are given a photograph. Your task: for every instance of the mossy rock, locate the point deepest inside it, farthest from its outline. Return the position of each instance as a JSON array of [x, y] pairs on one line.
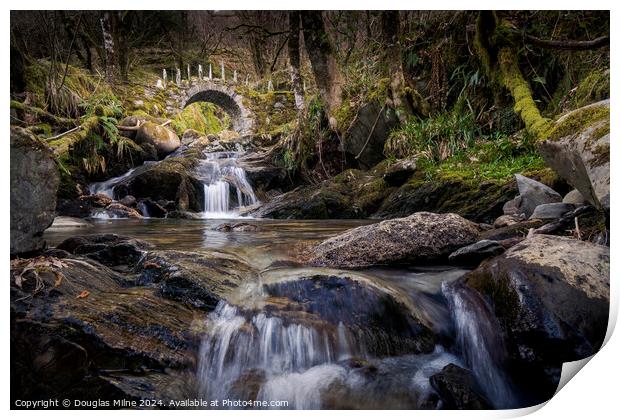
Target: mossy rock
[[164, 139]]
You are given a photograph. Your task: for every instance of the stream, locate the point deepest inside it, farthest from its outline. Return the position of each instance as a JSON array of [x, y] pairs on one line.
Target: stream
[[318, 337], [254, 352]]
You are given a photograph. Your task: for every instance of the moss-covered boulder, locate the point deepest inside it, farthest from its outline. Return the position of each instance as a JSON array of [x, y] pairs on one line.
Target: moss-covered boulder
[[34, 183], [421, 237], [551, 297], [578, 150], [165, 140], [352, 194], [477, 201]]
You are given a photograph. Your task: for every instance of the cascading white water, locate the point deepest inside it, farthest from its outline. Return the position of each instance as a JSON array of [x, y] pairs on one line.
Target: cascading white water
[[481, 343], [237, 344], [220, 173], [256, 356], [107, 187]]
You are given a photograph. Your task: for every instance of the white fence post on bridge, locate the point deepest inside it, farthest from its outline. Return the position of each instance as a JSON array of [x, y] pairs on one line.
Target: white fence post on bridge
[[247, 79], [178, 76], [165, 77], [235, 76], [210, 72], [189, 74], [200, 71], [269, 86], [223, 76]]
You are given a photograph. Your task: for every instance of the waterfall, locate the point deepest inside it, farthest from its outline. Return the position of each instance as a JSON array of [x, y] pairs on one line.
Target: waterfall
[[479, 338], [248, 355], [107, 187], [221, 174], [262, 345]]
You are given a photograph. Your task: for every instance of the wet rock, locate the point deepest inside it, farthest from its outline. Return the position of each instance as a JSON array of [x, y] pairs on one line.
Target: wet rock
[[574, 197], [109, 249], [150, 208], [371, 317], [180, 214], [550, 295], [123, 212], [458, 389], [472, 255], [514, 230], [579, 152], [508, 220], [128, 201], [171, 179], [198, 279], [533, 193], [398, 173], [34, 183], [164, 139], [237, 227], [551, 211], [419, 237], [78, 319]]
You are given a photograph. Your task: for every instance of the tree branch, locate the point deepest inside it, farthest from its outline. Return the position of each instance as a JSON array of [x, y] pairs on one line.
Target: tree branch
[[602, 41]]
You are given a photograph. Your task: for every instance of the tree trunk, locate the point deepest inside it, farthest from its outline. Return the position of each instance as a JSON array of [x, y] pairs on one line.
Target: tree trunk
[[500, 61], [405, 100], [108, 47], [323, 61], [257, 48], [294, 61]]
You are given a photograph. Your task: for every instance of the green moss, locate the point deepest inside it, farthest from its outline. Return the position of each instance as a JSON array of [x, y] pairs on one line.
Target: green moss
[[202, 117], [594, 87], [524, 106], [577, 121], [42, 129]]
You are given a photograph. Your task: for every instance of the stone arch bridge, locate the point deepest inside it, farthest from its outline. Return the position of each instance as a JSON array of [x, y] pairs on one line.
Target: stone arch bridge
[[223, 95]]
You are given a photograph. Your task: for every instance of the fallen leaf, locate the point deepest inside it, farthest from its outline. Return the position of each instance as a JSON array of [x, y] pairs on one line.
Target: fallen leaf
[[151, 265], [83, 294]]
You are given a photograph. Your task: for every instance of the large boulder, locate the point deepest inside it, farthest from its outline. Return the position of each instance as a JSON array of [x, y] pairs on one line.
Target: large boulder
[[419, 237], [551, 297], [367, 134], [34, 183], [533, 193], [578, 150], [172, 179], [165, 140]]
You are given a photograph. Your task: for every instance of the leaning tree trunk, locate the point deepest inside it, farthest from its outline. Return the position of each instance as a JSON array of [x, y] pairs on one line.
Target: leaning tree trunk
[[496, 46], [323, 61], [108, 47], [294, 61]]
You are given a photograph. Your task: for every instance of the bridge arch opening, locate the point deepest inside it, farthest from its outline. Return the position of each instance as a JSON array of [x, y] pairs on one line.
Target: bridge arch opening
[[227, 100]]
